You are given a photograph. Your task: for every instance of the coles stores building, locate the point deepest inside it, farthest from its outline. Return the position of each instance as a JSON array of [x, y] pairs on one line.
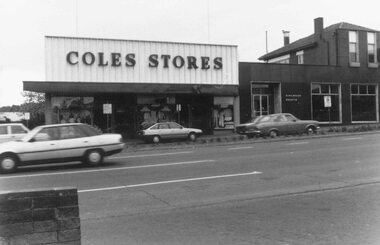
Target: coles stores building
[[119, 84]]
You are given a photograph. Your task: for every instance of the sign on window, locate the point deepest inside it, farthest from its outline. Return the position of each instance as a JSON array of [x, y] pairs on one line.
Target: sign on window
[[327, 100]]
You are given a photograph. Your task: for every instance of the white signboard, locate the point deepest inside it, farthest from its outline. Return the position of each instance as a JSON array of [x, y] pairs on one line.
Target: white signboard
[[327, 100], [71, 59], [107, 108]]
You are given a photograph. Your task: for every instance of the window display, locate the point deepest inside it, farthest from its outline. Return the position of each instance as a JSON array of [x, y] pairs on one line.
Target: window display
[[222, 113], [73, 109]]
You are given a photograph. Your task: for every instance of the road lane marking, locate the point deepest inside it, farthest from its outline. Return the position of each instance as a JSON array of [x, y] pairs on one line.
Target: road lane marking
[[299, 143], [169, 182], [241, 148], [108, 169], [352, 138], [152, 155]]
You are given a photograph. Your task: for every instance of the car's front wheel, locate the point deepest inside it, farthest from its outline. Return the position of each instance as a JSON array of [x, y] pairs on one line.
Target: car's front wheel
[[93, 157], [8, 163], [311, 130]]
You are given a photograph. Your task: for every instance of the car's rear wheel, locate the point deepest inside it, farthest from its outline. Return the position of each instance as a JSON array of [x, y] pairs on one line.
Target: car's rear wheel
[[8, 163], [156, 139], [192, 136], [93, 157], [273, 133]]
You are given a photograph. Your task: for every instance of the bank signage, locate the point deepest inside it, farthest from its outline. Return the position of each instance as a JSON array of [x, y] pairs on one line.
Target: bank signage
[[126, 61]]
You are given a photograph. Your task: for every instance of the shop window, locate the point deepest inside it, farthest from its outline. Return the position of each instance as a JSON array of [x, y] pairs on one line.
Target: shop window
[[364, 106], [222, 115], [73, 109], [320, 112]]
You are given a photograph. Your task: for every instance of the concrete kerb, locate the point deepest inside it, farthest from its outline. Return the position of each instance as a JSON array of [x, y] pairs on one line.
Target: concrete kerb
[[213, 140]]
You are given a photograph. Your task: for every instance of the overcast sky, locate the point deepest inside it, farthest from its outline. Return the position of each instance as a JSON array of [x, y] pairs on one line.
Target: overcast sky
[[24, 23]]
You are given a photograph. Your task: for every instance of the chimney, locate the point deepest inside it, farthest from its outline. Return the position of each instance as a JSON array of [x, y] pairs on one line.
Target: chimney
[[286, 37], [318, 27]]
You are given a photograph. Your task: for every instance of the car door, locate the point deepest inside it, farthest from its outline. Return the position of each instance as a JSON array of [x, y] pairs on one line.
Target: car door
[[73, 142], [4, 133], [164, 131], [43, 147], [177, 130], [292, 122]]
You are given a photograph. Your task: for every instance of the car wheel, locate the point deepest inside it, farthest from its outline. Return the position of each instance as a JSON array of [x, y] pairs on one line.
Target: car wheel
[[311, 130], [192, 137], [93, 157], [156, 139], [8, 163], [273, 133]]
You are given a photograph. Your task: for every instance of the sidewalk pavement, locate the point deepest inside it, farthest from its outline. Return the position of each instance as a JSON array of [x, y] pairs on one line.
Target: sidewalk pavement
[[132, 145]]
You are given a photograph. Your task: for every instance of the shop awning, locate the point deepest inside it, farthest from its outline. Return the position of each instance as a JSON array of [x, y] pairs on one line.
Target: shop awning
[[139, 88]]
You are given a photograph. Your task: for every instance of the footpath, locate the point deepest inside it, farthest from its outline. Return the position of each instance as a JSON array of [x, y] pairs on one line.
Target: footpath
[[132, 145]]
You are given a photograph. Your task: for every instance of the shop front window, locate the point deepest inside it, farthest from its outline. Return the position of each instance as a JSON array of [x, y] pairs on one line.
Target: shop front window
[[73, 109], [152, 109], [222, 115], [364, 103], [320, 112]]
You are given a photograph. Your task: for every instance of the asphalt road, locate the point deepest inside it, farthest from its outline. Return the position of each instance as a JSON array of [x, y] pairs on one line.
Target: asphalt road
[[305, 191]]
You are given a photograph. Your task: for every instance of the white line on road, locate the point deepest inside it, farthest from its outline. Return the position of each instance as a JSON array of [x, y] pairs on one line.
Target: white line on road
[[240, 148], [169, 182], [108, 169], [299, 143], [352, 138], [152, 155]]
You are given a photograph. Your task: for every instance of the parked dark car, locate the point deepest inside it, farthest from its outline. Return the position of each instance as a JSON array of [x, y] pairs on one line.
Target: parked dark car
[[275, 124]]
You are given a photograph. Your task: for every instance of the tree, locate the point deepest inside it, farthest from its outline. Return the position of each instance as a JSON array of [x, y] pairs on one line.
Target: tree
[[34, 103]]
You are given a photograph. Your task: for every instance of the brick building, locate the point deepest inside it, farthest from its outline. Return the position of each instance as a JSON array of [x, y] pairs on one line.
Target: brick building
[[339, 62]]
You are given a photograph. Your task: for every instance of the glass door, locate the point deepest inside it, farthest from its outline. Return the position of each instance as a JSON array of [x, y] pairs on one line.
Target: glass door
[[260, 105]]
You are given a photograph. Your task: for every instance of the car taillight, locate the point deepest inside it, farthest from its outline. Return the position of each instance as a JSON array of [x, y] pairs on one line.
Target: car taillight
[[121, 140]]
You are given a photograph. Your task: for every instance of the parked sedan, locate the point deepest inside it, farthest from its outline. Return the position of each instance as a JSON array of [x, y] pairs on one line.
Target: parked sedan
[[59, 143], [275, 124], [168, 130], [12, 131]]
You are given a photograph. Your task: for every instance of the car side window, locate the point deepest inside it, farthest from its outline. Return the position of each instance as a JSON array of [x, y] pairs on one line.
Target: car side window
[[70, 132], [3, 130], [174, 125], [290, 118], [46, 134], [163, 126], [17, 129], [280, 119]]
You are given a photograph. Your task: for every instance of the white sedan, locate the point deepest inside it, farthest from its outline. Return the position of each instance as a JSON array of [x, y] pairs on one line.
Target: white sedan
[[168, 130], [12, 131], [59, 143]]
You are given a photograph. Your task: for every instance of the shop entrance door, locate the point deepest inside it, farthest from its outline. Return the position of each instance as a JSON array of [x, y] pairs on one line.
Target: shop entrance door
[[260, 105]]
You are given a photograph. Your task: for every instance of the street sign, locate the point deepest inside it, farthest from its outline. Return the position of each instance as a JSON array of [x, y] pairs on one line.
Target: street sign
[[327, 100], [107, 108]]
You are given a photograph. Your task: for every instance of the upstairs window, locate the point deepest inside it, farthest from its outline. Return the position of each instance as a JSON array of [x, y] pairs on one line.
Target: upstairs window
[[300, 57], [371, 44], [353, 48]]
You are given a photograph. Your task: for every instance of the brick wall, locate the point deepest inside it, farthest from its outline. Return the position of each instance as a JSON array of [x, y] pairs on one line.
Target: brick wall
[[42, 216]]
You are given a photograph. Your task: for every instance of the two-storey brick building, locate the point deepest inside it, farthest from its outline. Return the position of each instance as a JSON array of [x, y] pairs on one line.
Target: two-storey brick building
[[339, 62]]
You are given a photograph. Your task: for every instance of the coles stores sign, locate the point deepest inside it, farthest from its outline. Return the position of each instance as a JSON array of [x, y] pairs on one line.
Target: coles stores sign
[[154, 60]]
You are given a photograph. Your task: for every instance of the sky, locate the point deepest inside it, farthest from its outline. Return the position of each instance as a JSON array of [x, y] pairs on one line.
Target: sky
[[25, 23]]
